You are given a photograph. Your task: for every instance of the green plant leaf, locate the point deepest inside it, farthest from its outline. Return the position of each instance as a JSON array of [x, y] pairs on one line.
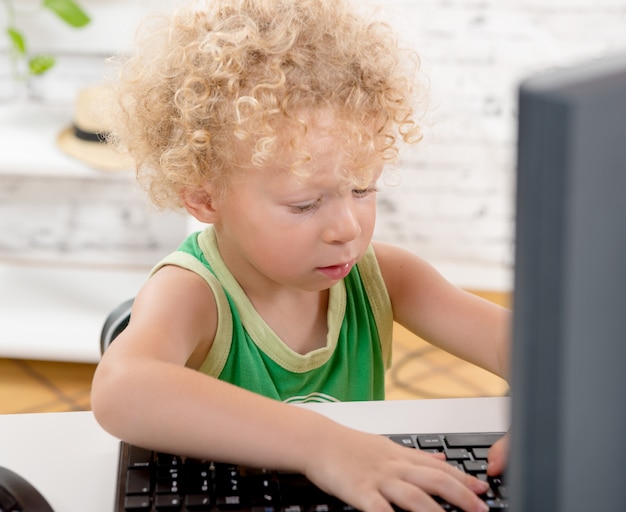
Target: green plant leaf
[[39, 64], [69, 11], [17, 40]]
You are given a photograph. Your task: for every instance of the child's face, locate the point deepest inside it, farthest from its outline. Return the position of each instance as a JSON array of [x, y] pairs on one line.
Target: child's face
[[305, 232]]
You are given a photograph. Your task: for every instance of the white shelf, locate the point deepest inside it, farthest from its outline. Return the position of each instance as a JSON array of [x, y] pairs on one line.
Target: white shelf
[[56, 313], [28, 131]]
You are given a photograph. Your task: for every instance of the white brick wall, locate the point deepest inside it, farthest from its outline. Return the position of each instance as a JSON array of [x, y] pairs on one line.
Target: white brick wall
[[454, 204], [94, 221]]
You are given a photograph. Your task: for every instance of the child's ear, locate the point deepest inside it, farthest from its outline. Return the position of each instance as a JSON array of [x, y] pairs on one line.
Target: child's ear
[[199, 203]]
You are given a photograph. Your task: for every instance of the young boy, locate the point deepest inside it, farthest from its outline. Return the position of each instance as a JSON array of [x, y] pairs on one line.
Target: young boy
[[272, 121]]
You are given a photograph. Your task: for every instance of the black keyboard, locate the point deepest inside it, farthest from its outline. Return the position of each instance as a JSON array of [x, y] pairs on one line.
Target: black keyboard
[[150, 481]]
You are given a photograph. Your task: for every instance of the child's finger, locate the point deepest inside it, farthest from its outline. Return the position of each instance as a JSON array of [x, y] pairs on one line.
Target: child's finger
[[437, 461], [450, 484], [497, 456], [409, 496], [418, 494]]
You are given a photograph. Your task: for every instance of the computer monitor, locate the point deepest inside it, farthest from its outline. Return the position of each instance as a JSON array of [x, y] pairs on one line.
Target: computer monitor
[[568, 426]]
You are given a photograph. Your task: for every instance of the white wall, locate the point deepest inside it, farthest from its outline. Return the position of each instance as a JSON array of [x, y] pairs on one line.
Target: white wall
[[112, 24], [454, 204]]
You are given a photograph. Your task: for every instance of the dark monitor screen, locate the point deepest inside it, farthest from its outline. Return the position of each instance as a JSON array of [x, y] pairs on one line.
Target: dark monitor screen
[[568, 449]]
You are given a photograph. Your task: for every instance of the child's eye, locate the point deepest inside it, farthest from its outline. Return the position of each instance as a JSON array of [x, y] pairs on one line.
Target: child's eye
[[362, 192], [305, 208]]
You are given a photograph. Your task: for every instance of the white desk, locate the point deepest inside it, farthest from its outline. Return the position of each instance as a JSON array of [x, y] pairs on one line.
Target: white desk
[[73, 462]]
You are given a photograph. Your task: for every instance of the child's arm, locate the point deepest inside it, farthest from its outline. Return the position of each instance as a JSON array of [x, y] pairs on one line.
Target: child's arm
[[143, 393], [459, 322]]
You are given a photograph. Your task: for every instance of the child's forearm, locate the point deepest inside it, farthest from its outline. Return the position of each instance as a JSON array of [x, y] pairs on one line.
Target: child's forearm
[[175, 409]]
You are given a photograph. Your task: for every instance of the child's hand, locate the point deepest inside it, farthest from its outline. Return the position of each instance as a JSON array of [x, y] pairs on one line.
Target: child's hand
[[370, 472], [498, 455]]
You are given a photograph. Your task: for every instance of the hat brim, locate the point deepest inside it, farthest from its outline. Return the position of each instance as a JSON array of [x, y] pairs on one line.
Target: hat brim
[[99, 155]]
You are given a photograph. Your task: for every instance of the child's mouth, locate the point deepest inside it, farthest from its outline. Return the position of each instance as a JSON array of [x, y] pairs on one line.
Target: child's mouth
[[336, 272]]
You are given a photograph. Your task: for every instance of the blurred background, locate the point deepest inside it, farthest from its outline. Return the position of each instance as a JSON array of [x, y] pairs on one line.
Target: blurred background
[[75, 241]]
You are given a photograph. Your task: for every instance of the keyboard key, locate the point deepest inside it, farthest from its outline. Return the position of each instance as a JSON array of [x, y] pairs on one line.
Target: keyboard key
[[167, 459], [137, 503], [429, 441], [475, 466], [457, 454], [167, 487], [320, 507], [480, 440], [139, 457], [138, 481], [167, 502], [497, 504], [403, 440], [480, 453], [264, 491], [198, 502], [167, 472], [229, 501], [292, 508]]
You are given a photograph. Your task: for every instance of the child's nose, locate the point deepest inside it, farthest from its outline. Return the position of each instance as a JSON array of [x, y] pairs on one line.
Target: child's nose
[[342, 225]]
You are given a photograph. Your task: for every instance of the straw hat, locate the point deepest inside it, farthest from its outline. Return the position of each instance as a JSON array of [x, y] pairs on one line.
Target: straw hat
[[85, 139]]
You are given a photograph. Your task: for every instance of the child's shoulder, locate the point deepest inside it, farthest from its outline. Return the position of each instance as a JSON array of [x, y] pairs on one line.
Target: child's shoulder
[[389, 255], [401, 268]]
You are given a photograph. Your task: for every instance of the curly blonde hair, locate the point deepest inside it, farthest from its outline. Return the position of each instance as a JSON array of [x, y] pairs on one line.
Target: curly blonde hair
[[226, 78]]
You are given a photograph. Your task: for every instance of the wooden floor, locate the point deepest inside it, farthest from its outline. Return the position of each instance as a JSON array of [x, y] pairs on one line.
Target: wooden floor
[[418, 371]]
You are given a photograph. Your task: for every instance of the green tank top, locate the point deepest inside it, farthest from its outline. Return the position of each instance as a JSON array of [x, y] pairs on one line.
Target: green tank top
[[247, 353]]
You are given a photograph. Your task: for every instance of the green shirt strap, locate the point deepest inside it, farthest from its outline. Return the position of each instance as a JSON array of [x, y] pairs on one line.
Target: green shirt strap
[[224, 320], [379, 301]]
